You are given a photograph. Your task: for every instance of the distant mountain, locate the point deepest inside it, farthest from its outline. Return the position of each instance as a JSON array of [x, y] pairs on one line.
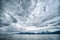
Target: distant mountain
[[56, 32]]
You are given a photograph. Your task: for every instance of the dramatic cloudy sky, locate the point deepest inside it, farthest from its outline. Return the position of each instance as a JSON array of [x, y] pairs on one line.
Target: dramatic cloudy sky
[[29, 15]]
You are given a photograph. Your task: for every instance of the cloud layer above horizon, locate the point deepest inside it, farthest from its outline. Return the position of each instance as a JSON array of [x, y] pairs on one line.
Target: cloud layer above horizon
[[29, 15]]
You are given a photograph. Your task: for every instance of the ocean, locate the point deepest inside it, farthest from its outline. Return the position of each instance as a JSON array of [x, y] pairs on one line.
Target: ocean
[[29, 36]]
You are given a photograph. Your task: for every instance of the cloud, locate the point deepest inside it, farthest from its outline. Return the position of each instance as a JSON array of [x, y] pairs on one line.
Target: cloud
[[29, 15]]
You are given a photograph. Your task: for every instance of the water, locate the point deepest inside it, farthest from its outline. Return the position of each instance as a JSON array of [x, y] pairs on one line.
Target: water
[[30, 37]]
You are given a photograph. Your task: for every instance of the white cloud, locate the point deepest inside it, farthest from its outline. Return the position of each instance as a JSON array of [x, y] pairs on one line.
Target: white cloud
[[38, 16]]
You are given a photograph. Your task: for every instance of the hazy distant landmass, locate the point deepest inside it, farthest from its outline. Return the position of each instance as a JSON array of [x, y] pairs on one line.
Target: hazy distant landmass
[[56, 32]]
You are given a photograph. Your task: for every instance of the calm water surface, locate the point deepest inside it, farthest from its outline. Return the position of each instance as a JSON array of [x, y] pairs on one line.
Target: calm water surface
[[30, 37]]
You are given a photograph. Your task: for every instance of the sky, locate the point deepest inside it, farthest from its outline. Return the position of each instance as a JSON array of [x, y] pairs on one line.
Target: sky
[[29, 16]]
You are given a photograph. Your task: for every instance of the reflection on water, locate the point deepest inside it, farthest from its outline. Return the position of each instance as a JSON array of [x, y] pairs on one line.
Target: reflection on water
[[30, 37]]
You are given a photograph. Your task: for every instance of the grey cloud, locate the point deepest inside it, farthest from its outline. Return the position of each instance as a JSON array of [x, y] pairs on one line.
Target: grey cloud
[[21, 15]]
